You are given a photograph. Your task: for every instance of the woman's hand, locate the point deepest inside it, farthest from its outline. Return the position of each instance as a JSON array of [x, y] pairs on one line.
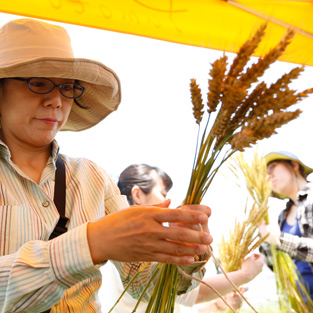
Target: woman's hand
[[218, 305], [252, 266], [271, 231], [195, 207], [232, 298], [138, 234]]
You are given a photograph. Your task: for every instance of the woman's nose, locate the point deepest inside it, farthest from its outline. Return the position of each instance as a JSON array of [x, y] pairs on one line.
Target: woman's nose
[[53, 98]]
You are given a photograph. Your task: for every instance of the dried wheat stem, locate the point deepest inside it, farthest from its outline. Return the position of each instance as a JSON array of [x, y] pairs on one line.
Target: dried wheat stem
[[236, 288], [202, 282]]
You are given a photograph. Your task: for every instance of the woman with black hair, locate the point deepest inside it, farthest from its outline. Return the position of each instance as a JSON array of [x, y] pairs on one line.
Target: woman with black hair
[[143, 184]]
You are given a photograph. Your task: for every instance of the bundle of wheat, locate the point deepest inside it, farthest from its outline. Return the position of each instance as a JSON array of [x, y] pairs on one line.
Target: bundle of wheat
[[243, 115]]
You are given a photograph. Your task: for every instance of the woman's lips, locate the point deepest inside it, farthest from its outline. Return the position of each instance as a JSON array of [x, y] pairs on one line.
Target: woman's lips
[[49, 121]]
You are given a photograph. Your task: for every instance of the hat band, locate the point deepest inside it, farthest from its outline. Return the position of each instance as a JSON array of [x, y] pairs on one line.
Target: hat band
[[15, 56]]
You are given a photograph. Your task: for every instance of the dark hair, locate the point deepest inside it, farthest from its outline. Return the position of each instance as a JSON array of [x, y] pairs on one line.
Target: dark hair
[[77, 100], [141, 175]]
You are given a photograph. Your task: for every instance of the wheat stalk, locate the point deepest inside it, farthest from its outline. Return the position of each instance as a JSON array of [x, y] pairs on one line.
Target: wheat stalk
[[239, 122]]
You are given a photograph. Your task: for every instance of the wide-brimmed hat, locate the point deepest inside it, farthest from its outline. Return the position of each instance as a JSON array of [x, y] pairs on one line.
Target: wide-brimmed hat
[[285, 155], [31, 48]]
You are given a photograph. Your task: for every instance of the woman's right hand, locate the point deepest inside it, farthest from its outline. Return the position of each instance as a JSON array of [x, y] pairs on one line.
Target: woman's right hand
[[252, 266], [138, 234], [271, 231]]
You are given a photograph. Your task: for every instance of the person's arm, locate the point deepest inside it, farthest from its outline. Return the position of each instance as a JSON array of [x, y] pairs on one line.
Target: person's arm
[[251, 267], [299, 248], [35, 277]]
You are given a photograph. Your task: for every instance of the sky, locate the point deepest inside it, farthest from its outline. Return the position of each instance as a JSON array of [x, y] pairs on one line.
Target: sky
[[154, 123]]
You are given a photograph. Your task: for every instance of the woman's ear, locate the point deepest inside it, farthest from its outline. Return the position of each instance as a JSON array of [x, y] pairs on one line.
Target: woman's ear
[[137, 195]]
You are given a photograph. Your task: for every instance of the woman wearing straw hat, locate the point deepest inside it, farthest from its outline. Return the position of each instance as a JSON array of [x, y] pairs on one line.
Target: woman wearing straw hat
[[44, 89], [294, 235]]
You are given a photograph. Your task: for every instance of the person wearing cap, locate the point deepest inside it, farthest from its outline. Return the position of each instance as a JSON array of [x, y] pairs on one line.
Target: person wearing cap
[[294, 232], [44, 89], [144, 184]]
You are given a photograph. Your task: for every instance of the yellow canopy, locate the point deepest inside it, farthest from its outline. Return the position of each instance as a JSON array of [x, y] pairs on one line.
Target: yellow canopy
[[215, 24]]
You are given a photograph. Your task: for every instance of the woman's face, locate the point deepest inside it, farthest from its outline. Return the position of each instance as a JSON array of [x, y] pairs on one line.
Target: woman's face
[[282, 177], [157, 194], [31, 119]]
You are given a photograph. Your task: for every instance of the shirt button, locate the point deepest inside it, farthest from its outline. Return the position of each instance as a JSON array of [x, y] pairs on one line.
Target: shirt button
[[45, 204]]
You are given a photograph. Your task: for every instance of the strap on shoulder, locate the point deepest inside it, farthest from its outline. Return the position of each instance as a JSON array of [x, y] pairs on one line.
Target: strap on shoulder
[[60, 198]]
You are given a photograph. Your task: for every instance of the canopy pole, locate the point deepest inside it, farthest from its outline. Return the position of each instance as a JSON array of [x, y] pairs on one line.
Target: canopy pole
[[286, 25]]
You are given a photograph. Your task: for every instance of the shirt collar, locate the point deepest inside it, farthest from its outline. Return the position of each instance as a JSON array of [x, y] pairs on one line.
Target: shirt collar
[[6, 154], [55, 150], [302, 194], [4, 151]]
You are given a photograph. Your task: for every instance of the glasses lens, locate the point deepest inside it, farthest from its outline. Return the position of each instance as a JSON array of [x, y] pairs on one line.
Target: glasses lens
[[40, 85], [72, 90]]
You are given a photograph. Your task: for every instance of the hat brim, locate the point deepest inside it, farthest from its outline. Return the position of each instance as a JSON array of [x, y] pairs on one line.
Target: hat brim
[[101, 97], [277, 156]]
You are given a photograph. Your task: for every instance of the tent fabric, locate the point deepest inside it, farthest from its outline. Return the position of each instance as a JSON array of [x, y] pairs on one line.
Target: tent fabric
[[216, 24]]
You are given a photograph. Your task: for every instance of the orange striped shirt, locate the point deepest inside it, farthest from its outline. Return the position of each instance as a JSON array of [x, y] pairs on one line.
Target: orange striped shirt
[[36, 274]]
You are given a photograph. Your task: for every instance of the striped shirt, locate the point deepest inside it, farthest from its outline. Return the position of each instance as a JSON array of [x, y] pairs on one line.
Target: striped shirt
[[37, 274]]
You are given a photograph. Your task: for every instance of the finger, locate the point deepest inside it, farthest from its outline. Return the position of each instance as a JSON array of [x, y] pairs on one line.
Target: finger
[[181, 216], [173, 259], [177, 249], [197, 227], [164, 204], [198, 207], [186, 235], [256, 256]]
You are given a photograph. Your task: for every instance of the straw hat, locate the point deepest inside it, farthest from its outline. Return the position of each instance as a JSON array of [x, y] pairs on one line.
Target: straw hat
[[284, 155], [31, 48]]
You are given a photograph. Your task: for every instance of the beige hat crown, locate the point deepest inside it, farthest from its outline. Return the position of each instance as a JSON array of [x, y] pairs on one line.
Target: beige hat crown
[[31, 48]]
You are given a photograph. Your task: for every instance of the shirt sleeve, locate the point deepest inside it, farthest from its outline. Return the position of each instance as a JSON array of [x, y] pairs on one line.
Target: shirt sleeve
[[35, 277], [189, 298], [299, 248]]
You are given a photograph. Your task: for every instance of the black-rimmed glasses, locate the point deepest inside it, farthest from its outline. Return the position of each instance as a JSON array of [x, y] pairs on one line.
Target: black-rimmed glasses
[[43, 85]]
